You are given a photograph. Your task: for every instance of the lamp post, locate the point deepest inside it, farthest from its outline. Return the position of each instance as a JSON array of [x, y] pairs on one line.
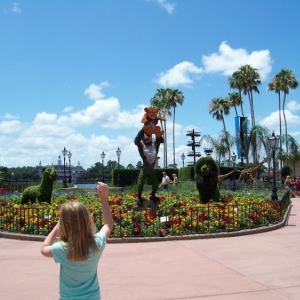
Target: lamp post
[[70, 176], [208, 151], [273, 143], [233, 157], [183, 158], [103, 157], [64, 153], [118, 154]]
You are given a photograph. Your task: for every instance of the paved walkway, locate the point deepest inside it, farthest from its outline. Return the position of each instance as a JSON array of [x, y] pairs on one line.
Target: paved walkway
[[262, 266]]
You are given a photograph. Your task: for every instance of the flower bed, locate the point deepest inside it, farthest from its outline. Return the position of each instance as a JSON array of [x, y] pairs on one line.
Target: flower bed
[[177, 215]]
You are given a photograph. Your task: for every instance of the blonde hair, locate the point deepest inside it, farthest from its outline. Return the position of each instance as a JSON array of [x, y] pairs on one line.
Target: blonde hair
[[76, 231]]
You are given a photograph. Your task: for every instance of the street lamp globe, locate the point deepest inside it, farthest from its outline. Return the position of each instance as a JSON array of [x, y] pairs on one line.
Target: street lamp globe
[[102, 158], [273, 140], [118, 154], [183, 158], [233, 157], [70, 175], [208, 151], [64, 153]]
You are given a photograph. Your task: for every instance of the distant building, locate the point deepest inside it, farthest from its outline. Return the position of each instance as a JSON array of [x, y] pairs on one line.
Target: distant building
[[139, 164], [172, 166], [74, 171]]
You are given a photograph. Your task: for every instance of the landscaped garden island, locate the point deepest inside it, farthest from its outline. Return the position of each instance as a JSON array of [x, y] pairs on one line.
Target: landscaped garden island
[[179, 214]]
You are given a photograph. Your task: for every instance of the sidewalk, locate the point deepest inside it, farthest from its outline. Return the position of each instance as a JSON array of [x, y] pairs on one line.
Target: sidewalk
[[263, 266]]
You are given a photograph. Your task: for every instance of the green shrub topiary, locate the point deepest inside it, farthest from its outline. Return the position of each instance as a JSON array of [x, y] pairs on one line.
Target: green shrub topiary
[[206, 177], [43, 191]]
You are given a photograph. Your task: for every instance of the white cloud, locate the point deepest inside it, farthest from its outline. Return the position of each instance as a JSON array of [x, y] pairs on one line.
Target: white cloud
[[182, 74], [68, 109], [293, 106], [228, 60], [16, 9], [272, 121], [94, 91], [7, 127], [43, 139], [10, 116], [103, 113], [106, 114], [168, 6]]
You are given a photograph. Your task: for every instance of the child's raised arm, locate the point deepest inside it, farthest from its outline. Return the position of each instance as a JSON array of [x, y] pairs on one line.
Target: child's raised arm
[[49, 240], [107, 217]]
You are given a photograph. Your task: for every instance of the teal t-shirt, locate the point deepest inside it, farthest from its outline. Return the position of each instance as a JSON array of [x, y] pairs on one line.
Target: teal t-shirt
[[79, 280]]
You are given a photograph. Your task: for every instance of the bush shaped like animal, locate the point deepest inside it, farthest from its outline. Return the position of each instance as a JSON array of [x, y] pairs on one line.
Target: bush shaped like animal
[[43, 191], [206, 177]]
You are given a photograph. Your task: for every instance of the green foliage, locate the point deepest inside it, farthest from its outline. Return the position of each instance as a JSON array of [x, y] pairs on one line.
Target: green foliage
[[20, 173], [186, 173], [1, 176], [130, 176], [206, 177], [285, 171], [43, 191]]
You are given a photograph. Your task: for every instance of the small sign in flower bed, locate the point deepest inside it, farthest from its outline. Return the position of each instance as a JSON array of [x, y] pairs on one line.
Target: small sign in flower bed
[[177, 215]]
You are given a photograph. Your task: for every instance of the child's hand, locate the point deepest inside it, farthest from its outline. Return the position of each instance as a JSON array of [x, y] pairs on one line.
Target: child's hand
[[102, 189]]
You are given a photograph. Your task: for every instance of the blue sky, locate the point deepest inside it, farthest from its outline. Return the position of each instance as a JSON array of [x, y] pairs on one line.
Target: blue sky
[[77, 74]]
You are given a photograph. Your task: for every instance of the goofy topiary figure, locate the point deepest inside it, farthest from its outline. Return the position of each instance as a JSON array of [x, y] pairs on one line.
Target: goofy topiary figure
[[148, 150]]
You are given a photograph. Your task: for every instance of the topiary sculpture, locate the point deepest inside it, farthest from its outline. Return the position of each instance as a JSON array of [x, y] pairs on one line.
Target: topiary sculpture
[[148, 153], [43, 191], [206, 177]]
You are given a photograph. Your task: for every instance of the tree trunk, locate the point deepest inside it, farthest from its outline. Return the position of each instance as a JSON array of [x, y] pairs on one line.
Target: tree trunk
[[280, 129], [242, 109], [165, 147], [285, 124], [174, 139]]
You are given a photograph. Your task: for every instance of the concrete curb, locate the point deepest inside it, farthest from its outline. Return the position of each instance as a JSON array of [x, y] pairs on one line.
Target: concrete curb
[[27, 237]]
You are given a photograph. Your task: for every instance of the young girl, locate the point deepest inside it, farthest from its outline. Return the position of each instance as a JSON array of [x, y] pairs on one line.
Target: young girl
[[79, 248], [174, 179]]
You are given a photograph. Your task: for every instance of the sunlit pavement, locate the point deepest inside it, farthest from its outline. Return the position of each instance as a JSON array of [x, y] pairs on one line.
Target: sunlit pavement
[[258, 266]]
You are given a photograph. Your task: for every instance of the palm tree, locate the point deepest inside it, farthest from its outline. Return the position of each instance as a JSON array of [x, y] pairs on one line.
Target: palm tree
[[258, 140], [235, 100], [159, 100], [235, 82], [250, 80], [275, 85], [174, 97], [218, 107], [284, 81], [254, 140]]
